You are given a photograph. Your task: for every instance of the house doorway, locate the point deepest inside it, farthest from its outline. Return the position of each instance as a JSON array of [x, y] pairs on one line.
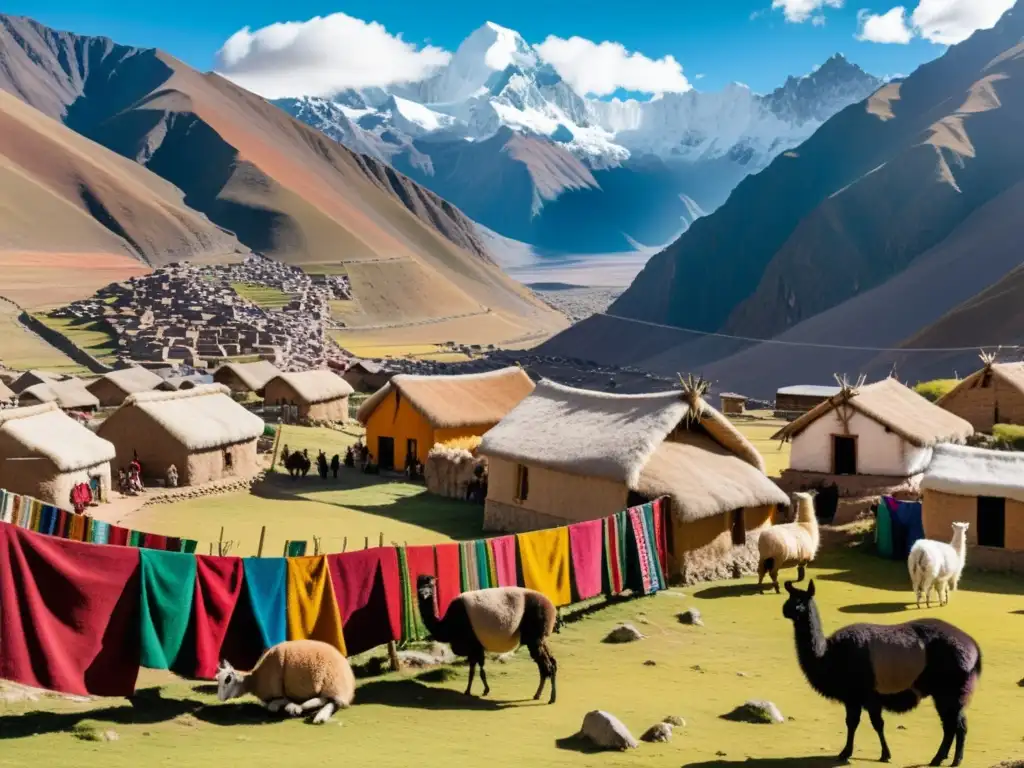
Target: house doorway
[[411, 451], [844, 455], [386, 452]]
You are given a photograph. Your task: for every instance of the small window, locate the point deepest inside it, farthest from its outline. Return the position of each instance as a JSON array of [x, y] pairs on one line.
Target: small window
[[228, 461], [522, 483], [739, 529], [991, 521]]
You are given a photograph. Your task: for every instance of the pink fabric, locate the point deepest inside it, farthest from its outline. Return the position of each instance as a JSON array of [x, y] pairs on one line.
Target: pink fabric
[[504, 549], [449, 580], [585, 549]]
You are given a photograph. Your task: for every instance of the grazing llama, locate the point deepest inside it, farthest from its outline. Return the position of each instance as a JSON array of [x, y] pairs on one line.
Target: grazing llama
[[789, 544], [495, 620], [938, 564], [881, 667]]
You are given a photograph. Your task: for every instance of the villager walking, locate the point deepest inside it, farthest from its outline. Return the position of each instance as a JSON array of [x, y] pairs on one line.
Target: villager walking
[[321, 465], [335, 465]]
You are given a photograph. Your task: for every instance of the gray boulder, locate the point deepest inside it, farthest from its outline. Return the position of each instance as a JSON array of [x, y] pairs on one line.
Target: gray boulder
[[692, 617], [674, 720], [606, 731], [658, 733], [756, 711], [624, 633]]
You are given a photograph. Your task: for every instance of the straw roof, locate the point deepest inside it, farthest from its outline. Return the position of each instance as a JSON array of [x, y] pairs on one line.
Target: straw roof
[[68, 394], [1011, 374], [6, 393], [892, 405], [367, 365], [254, 375], [48, 431], [201, 419], [130, 380], [34, 376], [624, 438], [963, 471], [317, 386], [449, 402]]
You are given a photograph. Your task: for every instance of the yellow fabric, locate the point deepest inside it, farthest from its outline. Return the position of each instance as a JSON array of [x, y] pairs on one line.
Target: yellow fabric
[[545, 559], [312, 608], [75, 532]]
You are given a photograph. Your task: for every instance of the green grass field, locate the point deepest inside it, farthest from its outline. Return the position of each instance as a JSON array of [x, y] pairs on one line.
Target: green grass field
[[758, 429], [94, 337], [22, 350], [262, 295], [744, 651]]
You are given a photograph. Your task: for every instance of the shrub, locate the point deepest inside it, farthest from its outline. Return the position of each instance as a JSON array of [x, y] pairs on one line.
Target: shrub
[[1008, 437], [933, 390], [269, 430]]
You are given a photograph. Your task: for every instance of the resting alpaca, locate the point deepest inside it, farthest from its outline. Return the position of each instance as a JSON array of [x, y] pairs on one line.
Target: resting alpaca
[[497, 620], [789, 544], [938, 564], [297, 676], [876, 667]]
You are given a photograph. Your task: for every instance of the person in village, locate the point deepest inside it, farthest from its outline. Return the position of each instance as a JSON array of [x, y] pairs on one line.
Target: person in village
[[321, 465], [135, 465], [172, 476], [122, 481], [307, 464], [350, 457], [335, 465], [285, 453]]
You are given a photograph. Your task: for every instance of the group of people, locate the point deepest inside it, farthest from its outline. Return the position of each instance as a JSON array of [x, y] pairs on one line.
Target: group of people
[[359, 455], [129, 481]]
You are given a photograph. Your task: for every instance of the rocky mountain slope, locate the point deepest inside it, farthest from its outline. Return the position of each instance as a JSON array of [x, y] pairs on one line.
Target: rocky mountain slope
[[283, 188], [577, 174]]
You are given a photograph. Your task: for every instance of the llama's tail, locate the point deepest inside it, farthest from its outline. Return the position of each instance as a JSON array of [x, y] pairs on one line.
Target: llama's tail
[[916, 564], [900, 702], [767, 565]]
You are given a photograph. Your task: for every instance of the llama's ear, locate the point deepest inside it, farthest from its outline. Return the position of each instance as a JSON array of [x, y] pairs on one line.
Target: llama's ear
[[810, 588], [789, 587]]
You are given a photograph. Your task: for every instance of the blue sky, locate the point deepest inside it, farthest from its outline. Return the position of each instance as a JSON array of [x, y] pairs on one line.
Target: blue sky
[[715, 41]]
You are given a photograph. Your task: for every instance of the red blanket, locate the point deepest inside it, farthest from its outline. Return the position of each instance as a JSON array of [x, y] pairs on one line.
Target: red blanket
[[68, 614], [586, 552], [369, 597], [449, 580]]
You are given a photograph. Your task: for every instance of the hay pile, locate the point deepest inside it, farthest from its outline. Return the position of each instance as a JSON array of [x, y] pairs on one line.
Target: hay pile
[[450, 467]]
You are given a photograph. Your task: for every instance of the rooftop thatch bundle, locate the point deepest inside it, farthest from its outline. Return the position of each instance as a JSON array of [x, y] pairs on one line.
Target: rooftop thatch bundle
[[451, 402], [1009, 374], [47, 431], [892, 405], [670, 443], [202, 418], [962, 471], [69, 394], [130, 380], [317, 386], [253, 375]]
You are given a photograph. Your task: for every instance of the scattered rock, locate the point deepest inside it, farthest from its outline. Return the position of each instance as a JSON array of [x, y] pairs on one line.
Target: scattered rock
[[697, 668], [650, 663], [756, 711], [1010, 764], [719, 753], [505, 658], [1021, 683], [901, 727], [606, 731], [442, 653], [674, 720], [692, 617], [658, 733], [742, 674], [416, 659], [86, 732], [624, 633], [110, 736]]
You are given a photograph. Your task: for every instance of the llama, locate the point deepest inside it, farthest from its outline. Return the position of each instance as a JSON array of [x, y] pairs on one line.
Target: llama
[[496, 620], [296, 676], [789, 544], [881, 667], [938, 564]]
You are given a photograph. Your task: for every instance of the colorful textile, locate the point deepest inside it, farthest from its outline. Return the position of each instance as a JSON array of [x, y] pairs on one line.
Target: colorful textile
[[312, 605], [907, 526], [155, 541], [118, 535], [99, 532], [6, 506], [295, 548], [76, 528], [446, 568], [585, 548], [168, 588], [615, 553], [413, 563], [70, 615], [545, 559], [266, 584], [136, 539], [503, 554], [218, 588], [644, 575], [189, 545], [476, 569], [659, 518], [369, 597]]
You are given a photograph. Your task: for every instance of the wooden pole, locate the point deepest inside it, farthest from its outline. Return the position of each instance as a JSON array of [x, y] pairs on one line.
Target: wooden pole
[[220, 542], [263, 536], [393, 656], [382, 538], [366, 544], [344, 544], [211, 549]]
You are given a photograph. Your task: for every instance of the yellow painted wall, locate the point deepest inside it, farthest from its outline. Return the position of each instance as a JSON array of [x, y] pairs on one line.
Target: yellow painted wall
[[1014, 525], [570, 498], [401, 423]]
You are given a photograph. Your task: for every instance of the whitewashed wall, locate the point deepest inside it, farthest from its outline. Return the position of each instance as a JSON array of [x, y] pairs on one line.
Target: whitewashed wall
[[879, 451]]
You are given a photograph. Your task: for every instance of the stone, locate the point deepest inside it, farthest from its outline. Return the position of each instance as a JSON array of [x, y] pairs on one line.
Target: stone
[[110, 736], [624, 633], [606, 731], [658, 733], [692, 617], [650, 663], [756, 711], [674, 720], [417, 659]]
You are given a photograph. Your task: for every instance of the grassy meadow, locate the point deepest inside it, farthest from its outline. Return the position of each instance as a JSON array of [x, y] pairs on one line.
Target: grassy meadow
[[92, 336], [744, 651], [262, 295], [22, 350]]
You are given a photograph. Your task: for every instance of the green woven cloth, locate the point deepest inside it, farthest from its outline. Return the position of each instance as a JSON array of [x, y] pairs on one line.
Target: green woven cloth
[[412, 624], [168, 585], [294, 548], [189, 546]]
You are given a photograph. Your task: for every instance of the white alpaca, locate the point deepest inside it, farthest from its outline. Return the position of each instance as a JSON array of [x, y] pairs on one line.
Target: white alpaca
[[297, 676], [937, 564], [789, 544]]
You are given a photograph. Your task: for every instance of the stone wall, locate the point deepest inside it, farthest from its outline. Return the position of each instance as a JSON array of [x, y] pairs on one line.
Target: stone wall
[[63, 343]]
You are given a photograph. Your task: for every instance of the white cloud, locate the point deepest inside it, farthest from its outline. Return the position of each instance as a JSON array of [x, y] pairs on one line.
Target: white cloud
[[890, 27], [799, 11], [944, 22], [322, 56], [602, 68]]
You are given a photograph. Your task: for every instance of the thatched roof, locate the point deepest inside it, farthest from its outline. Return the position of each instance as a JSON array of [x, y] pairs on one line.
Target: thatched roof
[[201, 419], [624, 438], [809, 390], [892, 405], [316, 386], [449, 402], [48, 431], [254, 375], [6, 393], [366, 365], [964, 471], [1010, 374], [28, 378], [69, 394], [130, 380]]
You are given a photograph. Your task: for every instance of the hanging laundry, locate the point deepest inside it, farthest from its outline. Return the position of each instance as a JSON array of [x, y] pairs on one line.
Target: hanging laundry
[[155, 541], [643, 572], [312, 605], [295, 548], [907, 525], [69, 615], [412, 563], [615, 527], [188, 545], [266, 584], [446, 568], [659, 517], [100, 532], [119, 535], [545, 559], [585, 547], [136, 539], [469, 567], [503, 554], [487, 575], [218, 592], [168, 588], [366, 585]]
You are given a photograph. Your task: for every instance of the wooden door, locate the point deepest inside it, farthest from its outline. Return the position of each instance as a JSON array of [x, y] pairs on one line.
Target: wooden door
[[386, 452]]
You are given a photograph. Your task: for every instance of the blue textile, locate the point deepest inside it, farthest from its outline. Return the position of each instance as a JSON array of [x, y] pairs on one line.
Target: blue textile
[[266, 581], [48, 520], [907, 525]]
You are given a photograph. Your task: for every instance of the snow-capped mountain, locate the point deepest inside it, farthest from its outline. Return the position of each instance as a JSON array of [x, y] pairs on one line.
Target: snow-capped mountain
[[499, 133]]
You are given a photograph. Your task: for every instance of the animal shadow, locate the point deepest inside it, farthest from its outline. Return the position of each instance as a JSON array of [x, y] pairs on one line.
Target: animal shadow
[[577, 743], [237, 713], [205, 689], [731, 590], [874, 608], [811, 761], [413, 694]]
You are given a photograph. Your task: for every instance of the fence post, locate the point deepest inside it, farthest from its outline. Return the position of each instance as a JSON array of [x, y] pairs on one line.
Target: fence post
[[263, 535], [393, 656], [220, 542]]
